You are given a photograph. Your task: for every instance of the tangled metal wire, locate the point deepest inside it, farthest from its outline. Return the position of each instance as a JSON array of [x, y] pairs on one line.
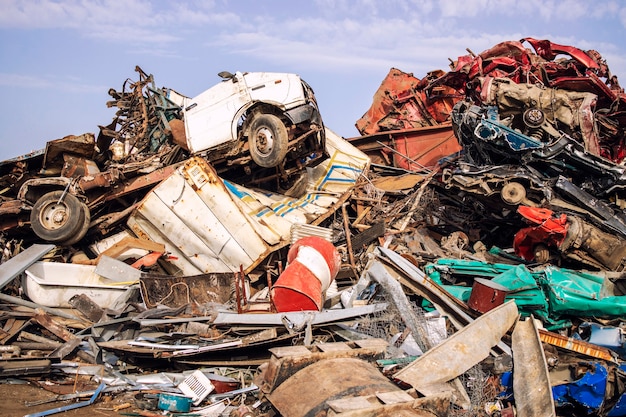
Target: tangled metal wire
[[141, 125]]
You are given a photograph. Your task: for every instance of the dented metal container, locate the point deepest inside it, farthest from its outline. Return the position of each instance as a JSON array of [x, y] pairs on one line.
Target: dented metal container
[[486, 295]]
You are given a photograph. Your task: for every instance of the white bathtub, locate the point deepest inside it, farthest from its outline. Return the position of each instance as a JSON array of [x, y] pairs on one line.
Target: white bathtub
[[52, 284]]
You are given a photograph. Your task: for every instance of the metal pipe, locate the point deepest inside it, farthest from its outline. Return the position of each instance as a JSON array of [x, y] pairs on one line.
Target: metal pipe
[[30, 304]]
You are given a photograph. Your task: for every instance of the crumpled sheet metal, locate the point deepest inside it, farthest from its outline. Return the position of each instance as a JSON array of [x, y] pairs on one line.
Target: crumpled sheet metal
[[572, 236], [402, 103], [307, 391], [213, 225], [550, 293], [585, 77], [568, 111]]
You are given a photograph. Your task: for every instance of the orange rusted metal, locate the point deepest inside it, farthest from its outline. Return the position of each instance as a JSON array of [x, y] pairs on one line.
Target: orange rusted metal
[[574, 345], [412, 149], [402, 102]]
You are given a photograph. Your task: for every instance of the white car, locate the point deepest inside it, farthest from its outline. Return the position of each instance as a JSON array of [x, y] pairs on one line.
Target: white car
[[271, 119]]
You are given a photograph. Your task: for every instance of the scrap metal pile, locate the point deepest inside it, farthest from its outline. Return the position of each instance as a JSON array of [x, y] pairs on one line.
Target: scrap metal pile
[[464, 256]]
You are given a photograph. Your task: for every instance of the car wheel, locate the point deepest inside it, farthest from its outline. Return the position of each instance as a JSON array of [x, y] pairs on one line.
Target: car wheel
[[513, 193], [268, 140], [57, 221], [82, 229]]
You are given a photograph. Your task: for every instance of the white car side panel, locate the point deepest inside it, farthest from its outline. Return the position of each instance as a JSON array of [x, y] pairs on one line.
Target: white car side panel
[[211, 117]]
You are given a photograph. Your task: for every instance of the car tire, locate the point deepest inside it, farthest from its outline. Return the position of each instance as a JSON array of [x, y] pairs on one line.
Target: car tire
[[268, 140], [82, 229], [55, 221]]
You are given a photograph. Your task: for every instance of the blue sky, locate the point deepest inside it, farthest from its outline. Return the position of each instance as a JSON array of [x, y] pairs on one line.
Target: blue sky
[[59, 58]]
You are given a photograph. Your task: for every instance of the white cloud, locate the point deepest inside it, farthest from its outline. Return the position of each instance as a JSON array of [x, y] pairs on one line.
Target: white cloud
[[129, 21], [468, 8], [339, 35], [17, 80], [69, 14], [48, 82]]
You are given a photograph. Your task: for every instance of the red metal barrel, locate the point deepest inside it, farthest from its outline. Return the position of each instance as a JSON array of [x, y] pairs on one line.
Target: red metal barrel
[[312, 264]]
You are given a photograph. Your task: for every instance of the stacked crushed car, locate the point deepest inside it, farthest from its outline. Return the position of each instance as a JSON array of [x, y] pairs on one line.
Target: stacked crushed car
[[464, 256]]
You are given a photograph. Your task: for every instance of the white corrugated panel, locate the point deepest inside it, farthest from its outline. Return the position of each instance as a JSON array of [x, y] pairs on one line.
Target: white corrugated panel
[[212, 225]]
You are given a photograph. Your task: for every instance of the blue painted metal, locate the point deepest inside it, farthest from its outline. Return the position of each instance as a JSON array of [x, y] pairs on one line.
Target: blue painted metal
[[587, 392], [619, 409], [610, 337], [71, 406], [506, 381], [490, 129]]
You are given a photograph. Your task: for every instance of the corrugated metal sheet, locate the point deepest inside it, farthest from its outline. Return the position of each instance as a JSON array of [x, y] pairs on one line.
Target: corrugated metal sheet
[[193, 214], [210, 225]]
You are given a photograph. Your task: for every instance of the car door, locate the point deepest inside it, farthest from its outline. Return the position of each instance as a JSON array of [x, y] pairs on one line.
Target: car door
[[209, 116]]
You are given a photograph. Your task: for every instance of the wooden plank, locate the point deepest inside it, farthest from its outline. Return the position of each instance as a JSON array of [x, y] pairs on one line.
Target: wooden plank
[[130, 242], [419, 407], [373, 343], [116, 250], [342, 405], [364, 238], [368, 403], [291, 351], [394, 397]]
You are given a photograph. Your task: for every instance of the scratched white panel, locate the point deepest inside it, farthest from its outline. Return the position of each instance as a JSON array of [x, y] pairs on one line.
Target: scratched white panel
[[201, 223]]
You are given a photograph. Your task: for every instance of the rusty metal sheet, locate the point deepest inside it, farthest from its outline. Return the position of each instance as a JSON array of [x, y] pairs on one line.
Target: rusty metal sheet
[[287, 360], [179, 291], [531, 382], [81, 145], [11, 207], [410, 149], [398, 183], [320, 382], [140, 182], [462, 350], [402, 102], [575, 345], [23, 367]]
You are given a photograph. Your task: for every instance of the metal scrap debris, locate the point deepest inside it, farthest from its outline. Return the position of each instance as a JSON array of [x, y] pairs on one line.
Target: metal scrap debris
[[464, 256]]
